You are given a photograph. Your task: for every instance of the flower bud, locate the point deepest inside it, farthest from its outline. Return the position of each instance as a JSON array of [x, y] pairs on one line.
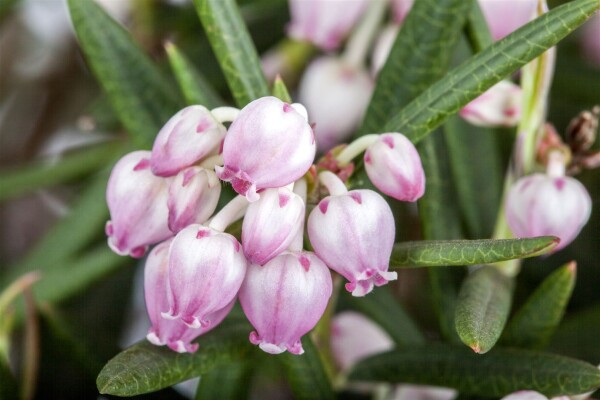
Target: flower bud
[[354, 234], [500, 105], [400, 9], [270, 144], [175, 334], [193, 197], [137, 201], [206, 270], [324, 23], [190, 135], [505, 16], [525, 395], [590, 42], [422, 392], [540, 205], [284, 299], [394, 166], [336, 96], [382, 48], [271, 224]]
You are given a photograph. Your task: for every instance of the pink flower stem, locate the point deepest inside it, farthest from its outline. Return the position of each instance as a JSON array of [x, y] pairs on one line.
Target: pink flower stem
[[300, 190], [232, 211], [355, 148], [360, 42], [225, 114], [334, 185]]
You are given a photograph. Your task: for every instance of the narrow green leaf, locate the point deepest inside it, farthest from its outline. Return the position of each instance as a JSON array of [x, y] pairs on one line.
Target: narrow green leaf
[[137, 90], [280, 90], [478, 32], [229, 382], [306, 374], [496, 374], [234, 49], [145, 367], [420, 56], [463, 84], [195, 88], [533, 325], [437, 253], [41, 174], [482, 308], [577, 335]]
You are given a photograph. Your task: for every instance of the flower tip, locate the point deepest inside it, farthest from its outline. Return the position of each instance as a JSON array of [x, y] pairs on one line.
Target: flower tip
[[271, 348], [572, 267]]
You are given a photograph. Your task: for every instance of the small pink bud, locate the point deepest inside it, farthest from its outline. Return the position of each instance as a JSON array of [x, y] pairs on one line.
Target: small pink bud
[[193, 197], [500, 105], [525, 395], [336, 96], [270, 144], [190, 135], [271, 224], [394, 166], [505, 16], [422, 392], [539, 205], [206, 270], [324, 23], [137, 201], [400, 9], [354, 234], [284, 299], [175, 334]]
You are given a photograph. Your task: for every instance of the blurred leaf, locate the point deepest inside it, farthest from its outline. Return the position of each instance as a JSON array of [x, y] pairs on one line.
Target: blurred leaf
[[41, 174], [8, 385], [137, 90], [306, 374], [577, 335], [533, 325], [420, 55], [234, 49], [496, 374], [230, 381], [280, 90], [144, 367], [195, 88], [482, 308], [437, 253], [478, 32], [464, 83], [6, 7]]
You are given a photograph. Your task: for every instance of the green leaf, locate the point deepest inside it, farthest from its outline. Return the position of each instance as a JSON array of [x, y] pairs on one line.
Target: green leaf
[[496, 374], [482, 308], [195, 88], [577, 335], [230, 381], [420, 55], [145, 367], [464, 83], [306, 374], [437, 253], [234, 49], [478, 32], [533, 325], [280, 90], [8, 384], [137, 90]]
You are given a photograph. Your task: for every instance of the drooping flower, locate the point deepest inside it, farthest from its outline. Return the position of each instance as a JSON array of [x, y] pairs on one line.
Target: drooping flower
[[284, 299], [137, 201], [505, 16], [269, 145], [394, 166], [189, 136], [500, 105]]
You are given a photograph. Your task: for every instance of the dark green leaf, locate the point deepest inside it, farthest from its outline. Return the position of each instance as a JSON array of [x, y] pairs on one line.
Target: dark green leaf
[[463, 84], [234, 49], [577, 336], [280, 90], [496, 374], [8, 384], [478, 32], [482, 308], [437, 253], [230, 381], [145, 368]]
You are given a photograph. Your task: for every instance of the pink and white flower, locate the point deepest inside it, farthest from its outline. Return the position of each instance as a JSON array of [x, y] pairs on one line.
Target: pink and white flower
[[505, 16], [500, 105]]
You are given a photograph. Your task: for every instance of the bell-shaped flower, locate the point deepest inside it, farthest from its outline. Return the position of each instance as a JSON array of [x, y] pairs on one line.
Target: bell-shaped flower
[[324, 23], [137, 201], [336, 96], [172, 333], [284, 299], [500, 105], [271, 224], [206, 270], [193, 197], [270, 144], [189, 136], [400, 9], [354, 234], [394, 166], [505, 16], [540, 205]]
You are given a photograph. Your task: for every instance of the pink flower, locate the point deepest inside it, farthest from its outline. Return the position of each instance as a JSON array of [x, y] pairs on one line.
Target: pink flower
[[324, 23], [193, 197], [382, 48], [137, 201], [539, 205], [500, 105], [394, 166], [354, 234], [206, 270], [284, 299], [269, 145], [271, 224], [590, 41], [400, 9], [175, 334], [505, 16], [189, 136]]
